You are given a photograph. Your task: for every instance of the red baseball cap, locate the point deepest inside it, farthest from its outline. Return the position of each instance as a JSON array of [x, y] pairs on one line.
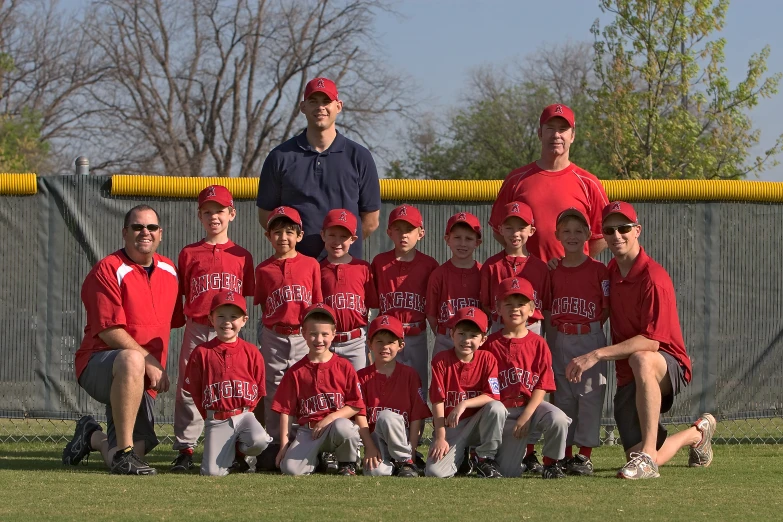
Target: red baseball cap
[[467, 218], [217, 193], [572, 212], [388, 323], [318, 308], [288, 212], [407, 213], [557, 110], [324, 85], [514, 286], [520, 210], [472, 314], [227, 297], [341, 218], [622, 208]]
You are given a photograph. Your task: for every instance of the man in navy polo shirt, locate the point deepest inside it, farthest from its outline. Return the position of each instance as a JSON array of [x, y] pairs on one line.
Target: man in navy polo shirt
[[320, 170]]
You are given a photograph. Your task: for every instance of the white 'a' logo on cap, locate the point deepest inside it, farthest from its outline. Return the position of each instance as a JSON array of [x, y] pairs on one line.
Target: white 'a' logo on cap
[[471, 312], [211, 191], [320, 83], [462, 217], [558, 109], [615, 206], [403, 211], [229, 296], [515, 283], [281, 210], [515, 207], [385, 320], [343, 216]]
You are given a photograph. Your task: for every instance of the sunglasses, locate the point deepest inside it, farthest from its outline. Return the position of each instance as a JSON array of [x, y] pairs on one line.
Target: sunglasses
[[623, 229], [138, 227]]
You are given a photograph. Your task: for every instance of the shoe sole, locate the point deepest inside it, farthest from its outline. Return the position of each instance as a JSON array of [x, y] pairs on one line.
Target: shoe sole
[[621, 476], [712, 425]]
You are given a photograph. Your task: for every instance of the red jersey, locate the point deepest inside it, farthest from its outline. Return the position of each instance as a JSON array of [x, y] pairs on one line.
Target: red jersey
[[579, 293], [524, 365], [548, 194], [311, 391], [644, 303], [451, 288], [502, 266], [454, 381], [118, 292], [402, 285], [350, 290], [225, 376], [400, 392], [206, 269], [286, 287]]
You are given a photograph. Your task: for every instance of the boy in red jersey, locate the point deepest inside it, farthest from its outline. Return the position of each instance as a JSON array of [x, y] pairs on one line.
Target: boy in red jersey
[[226, 380], [580, 305], [401, 277], [323, 392], [456, 283], [286, 284], [515, 261], [525, 375], [395, 404], [207, 267], [347, 286], [465, 400]]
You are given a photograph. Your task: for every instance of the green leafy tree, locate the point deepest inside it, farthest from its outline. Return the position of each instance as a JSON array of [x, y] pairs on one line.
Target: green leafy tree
[[666, 107]]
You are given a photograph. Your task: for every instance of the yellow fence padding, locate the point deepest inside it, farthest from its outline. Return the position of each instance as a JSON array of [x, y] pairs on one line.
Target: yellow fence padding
[[468, 190], [18, 184]]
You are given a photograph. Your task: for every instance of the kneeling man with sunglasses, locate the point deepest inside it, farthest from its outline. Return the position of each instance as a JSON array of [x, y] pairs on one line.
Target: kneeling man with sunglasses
[[132, 301], [649, 352]]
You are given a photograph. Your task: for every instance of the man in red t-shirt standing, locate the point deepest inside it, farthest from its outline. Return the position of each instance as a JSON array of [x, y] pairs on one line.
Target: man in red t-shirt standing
[[550, 185], [649, 352], [131, 299]]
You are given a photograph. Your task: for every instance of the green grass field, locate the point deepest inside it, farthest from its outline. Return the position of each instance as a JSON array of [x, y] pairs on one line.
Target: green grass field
[[743, 482]]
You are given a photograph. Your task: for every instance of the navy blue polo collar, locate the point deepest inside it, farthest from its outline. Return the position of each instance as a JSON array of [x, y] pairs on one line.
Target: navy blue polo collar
[[338, 145]]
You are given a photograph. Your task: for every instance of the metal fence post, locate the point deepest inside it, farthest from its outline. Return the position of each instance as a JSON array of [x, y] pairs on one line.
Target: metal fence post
[[82, 166]]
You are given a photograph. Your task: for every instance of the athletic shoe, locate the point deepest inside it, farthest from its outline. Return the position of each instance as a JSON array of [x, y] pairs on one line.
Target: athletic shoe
[[129, 463], [553, 471], [532, 465], [182, 464], [327, 464], [488, 468], [579, 465], [641, 466], [239, 465], [700, 455], [468, 466], [419, 461], [406, 469], [347, 469], [79, 446]]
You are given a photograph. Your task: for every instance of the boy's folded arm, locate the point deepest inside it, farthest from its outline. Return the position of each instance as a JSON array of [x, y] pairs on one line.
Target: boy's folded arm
[[536, 398], [478, 402]]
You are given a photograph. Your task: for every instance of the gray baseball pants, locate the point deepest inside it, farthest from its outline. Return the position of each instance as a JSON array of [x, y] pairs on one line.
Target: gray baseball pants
[[280, 352], [222, 438], [353, 350], [416, 355], [547, 419], [582, 401], [484, 430], [391, 438], [341, 438], [188, 423]]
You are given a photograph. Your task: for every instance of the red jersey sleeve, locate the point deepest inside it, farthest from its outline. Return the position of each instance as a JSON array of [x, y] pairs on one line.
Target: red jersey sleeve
[[546, 377], [370, 290], [546, 292], [433, 293], [193, 384], [103, 300], [490, 385], [249, 277], [603, 281], [437, 387], [285, 396], [178, 315], [258, 371], [598, 200], [420, 410], [485, 294], [318, 296], [182, 262], [655, 306], [353, 392]]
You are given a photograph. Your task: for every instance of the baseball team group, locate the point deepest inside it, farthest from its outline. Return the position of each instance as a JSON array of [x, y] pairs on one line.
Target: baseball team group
[[519, 359]]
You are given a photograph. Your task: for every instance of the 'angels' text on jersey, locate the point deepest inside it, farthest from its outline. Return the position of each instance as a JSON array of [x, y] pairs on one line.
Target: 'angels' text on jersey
[[372, 414], [453, 398], [321, 402], [402, 300], [287, 294], [214, 281], [517, 375], [227, 390], [346, 301], [450, 307], [573, 305]]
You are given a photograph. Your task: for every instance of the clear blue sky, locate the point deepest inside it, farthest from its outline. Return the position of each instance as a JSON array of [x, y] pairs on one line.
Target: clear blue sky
[[437, 43]]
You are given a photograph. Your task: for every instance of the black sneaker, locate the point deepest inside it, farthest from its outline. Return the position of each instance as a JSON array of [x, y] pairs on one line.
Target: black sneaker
[[327, 464], [579, 465], [79, 446], [347, 469], [419, 461], [128, 463], [182, 464], [406, 469], [488, 468], [532, 465], [552, 471], [468, 466], [239, 465]]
